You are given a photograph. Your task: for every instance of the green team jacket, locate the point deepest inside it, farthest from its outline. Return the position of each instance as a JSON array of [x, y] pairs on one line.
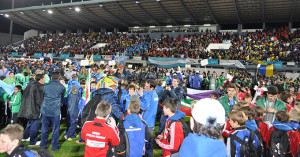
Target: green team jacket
[[279, 105], [217, 83], [15, 102], [225, 103], [222, 80]]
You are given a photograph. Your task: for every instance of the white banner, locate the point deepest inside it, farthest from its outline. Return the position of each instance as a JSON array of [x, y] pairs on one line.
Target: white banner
[[232, 62], [137, 58], [192, 61], [107, 57], [77, 56], [195, 91], [167, 62]]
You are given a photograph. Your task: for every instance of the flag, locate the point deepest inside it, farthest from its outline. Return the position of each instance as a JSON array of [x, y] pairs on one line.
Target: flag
[[9, 89], [266, 68], [86, 96], [185, 106], [51, 59], [107, 81], [91, 60]]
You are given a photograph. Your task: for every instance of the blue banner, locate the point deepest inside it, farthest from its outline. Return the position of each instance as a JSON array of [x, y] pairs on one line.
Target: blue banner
[[15, 53], [37, 55], [213, 61], [97, 57], [65, 56], [167, 62]]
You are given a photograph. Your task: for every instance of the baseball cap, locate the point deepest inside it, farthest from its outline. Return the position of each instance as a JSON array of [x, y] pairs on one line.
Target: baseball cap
[[135, 98], [208, 108], [74, 89]]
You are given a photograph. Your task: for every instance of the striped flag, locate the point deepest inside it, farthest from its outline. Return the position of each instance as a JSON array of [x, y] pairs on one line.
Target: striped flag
[[91, 60], [51, 59], [185, 106], [86, 96]]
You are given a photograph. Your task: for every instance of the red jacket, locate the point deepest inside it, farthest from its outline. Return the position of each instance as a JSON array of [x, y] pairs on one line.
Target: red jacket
[[263, 128], [176, 138], [294, 138], [227, 129], [97, 135]]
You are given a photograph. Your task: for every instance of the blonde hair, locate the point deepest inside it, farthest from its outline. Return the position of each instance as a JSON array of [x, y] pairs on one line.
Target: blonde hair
[[238, 116], [103, 109], [239, 105]]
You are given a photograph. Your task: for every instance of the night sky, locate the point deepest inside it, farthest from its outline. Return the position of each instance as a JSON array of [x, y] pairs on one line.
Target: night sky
[[18, 29]]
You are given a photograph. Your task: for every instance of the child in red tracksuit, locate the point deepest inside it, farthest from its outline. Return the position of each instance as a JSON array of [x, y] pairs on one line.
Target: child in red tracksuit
[[282, 123], [99, 133], [262, 126], [173, 136], [227, 128]]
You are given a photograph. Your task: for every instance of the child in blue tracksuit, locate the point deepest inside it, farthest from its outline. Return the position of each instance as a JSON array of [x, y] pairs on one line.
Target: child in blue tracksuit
[[73, 101], [137, 130], [237, 121]]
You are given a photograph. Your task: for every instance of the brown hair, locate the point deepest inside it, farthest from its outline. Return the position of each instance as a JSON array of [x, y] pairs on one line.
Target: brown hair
[[159, 82], [14, 131], [134, 107], [176, 78], [259, 111], [285, 95], [231, 85], [247, 96], [171, 104], [131, 87], [239, 105], [238, 116], [249, 112], [282, 116], [103, 109]]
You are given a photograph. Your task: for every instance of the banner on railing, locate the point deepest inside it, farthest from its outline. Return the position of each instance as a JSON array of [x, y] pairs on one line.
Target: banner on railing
[[107, 57], [237, 63], [77, 56], [15, 53], [193, 61], [277, 64], [137, 58], [97, 57], [167, 62], [65, 56], [213, 61], [37, 55]]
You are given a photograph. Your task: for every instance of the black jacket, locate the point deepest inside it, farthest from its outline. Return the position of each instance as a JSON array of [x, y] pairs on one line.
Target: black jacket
[[32, 100]]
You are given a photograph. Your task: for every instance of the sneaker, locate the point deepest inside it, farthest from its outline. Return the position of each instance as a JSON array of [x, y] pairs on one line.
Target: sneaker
[[26, 139], [78, 142], [36, 144]]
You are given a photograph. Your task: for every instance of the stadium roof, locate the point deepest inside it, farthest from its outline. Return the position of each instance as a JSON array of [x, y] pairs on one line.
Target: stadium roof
[[130, 13]]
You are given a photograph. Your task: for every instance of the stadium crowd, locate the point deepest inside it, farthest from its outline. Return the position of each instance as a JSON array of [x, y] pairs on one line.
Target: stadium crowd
[[268, 44], [252, 115]]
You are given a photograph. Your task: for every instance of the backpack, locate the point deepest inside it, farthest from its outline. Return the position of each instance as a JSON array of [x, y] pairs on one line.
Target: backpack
[[33, 152], [260, 142], [247, 148], [122, 150], [279, 145], [88, 113], [185, 127]]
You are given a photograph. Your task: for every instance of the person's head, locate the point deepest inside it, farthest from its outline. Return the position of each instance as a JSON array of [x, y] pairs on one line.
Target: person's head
[[10, 137], [82, 83], [17, 89], [207, 119], [93, 79], [248, 98], [11, 74], [214, 95], [55, 76], [98, 71], [74, 90], [159, 82], [93, 84], [272, 93], [249, 112], [282, 116], [74, 77], [38, 72], [131, 90], [239, 105], [103, 109], [259, 111], [286, 97], [214, 74], [231, 89], [170, 107], [40, 78], [175, 82], [150, 85], [134, 107], [237, 119]]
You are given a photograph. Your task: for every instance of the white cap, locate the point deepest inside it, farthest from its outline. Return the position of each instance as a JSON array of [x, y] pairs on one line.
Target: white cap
[[209, 108]]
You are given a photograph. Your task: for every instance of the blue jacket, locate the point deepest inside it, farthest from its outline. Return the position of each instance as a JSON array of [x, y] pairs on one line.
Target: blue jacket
[[191, 77], [53, 92], [176, 93], [149, 114], [295, 125], [98, 77], [180, 77], [194, 146], [138, 132], [159, 88], [177, 116], [73, 101], [169, 80], [197, 80], [127, 98], [74, 82], [251, 124], [242, 133], [282, 126], [109, 95]]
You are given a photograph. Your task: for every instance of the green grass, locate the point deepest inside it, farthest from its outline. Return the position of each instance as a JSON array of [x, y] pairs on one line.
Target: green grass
[[72, 149]]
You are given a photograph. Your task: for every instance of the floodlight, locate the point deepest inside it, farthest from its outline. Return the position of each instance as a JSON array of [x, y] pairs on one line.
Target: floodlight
[[50, 11], [6, 15], [77, 9], [137, 2], [169, 26], [187, 25], [101, 5], [21, 12]]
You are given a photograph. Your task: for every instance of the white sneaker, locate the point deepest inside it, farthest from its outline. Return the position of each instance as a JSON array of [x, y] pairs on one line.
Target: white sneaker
[[36, 144], [27, 139]]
